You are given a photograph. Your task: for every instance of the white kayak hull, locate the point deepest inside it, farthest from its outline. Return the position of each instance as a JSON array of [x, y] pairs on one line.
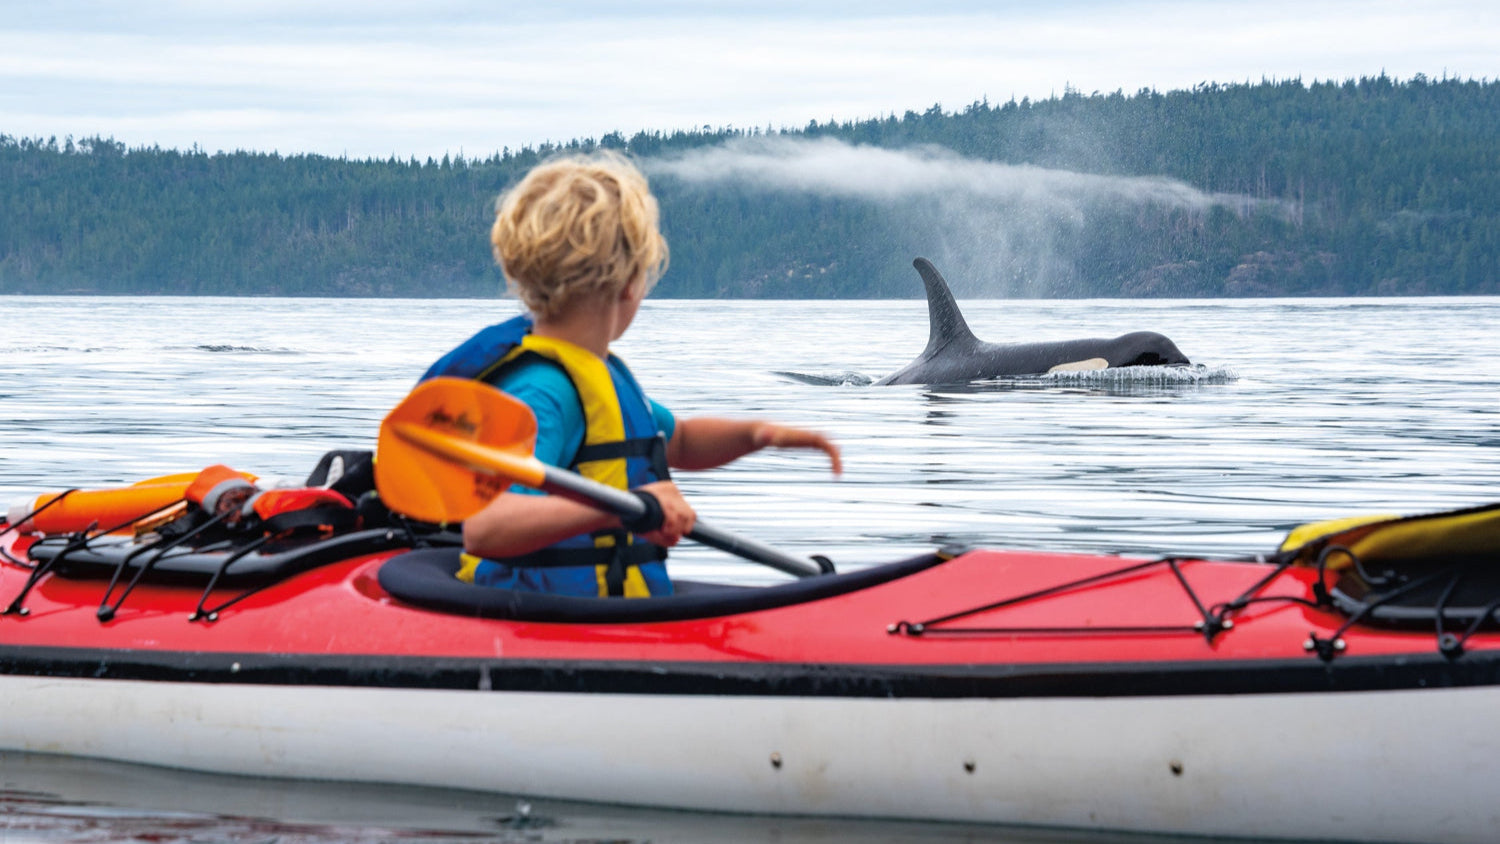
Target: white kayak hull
[[1399, 766]]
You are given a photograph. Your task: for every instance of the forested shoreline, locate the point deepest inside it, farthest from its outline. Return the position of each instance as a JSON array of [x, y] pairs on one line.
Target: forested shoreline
[[1364, 187]]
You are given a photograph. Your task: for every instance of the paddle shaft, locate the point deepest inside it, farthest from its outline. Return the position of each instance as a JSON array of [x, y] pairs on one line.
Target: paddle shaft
[[622, 503], [531, 472]]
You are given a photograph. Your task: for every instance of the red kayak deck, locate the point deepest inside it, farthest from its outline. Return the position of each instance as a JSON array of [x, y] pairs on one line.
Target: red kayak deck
[[1141, 616]]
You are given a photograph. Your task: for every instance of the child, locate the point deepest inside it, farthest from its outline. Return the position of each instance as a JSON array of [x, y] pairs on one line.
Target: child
[[578, 243]]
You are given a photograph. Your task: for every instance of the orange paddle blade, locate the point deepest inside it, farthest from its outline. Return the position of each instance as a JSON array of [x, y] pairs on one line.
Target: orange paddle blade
[[451, 446]]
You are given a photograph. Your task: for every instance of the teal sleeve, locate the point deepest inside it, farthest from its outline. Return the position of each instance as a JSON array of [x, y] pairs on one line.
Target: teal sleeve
[[665, 421], [554, 402]]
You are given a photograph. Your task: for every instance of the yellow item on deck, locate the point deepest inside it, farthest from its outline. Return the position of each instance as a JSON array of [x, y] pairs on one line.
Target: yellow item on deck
[[1472, 532]]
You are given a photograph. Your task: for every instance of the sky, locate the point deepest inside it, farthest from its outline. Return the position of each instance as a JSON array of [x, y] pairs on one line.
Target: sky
[[376, 78]]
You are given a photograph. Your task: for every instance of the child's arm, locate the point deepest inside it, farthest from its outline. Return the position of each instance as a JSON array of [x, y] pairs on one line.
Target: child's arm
[[514, 523], [704, 442]]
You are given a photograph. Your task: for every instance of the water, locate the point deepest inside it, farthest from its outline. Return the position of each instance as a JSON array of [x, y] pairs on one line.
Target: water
[[1296, 410]]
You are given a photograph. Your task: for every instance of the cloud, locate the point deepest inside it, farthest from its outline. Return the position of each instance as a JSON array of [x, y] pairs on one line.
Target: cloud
[[374, 78]]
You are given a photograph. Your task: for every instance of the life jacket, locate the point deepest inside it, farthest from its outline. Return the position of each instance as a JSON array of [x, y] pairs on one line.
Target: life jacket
[[621, 448]]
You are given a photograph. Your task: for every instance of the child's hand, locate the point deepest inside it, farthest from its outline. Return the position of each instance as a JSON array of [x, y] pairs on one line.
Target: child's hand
[[678, 516], [769, 434]]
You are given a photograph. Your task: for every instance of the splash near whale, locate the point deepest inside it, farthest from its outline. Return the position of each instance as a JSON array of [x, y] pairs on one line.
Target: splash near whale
[[954, 355]]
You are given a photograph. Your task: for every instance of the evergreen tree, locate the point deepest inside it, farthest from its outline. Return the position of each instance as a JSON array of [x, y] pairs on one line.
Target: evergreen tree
[[1361, 187]]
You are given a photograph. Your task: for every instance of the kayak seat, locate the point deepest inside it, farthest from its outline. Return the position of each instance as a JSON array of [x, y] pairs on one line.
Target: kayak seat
[[425, 578]]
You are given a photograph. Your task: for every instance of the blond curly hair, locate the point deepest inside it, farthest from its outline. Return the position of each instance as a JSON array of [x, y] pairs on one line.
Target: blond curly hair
[[577, 227]]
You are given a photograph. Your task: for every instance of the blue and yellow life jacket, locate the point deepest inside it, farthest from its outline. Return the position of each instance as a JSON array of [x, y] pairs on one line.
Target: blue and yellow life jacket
[[621, 447]]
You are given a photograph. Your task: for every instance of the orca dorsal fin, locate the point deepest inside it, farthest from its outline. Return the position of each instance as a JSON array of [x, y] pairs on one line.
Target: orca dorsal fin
[[945, 322]]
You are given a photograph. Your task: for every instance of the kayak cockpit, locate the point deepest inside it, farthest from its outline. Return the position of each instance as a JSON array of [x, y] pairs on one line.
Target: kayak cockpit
[[426, 578]]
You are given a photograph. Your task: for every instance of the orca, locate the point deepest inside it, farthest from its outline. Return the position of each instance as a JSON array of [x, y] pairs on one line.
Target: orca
[[954, 355]]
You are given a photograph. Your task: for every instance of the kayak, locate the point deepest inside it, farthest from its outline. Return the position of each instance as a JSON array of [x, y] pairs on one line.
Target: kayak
[[1341, 688]]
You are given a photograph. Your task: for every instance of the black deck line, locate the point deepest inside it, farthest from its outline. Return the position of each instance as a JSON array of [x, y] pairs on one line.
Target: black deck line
[[1218, 677], [275, 562]]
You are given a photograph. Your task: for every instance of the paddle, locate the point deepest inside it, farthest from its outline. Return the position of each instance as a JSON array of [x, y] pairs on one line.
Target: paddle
[[453, 444]]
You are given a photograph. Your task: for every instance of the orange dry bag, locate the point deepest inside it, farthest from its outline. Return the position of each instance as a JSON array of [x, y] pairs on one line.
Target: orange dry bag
[[102, 509]]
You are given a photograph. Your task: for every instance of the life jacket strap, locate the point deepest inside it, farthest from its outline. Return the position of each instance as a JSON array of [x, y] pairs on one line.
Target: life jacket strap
[[614, 573], [651, 448], [625, 555], [643, 447]]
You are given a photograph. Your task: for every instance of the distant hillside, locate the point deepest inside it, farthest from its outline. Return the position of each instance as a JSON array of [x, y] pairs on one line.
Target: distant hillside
[[1369, 187]]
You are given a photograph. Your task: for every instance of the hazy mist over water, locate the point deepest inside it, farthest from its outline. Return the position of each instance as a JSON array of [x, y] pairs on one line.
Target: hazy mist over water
[[1002, 228], [833, 167]]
